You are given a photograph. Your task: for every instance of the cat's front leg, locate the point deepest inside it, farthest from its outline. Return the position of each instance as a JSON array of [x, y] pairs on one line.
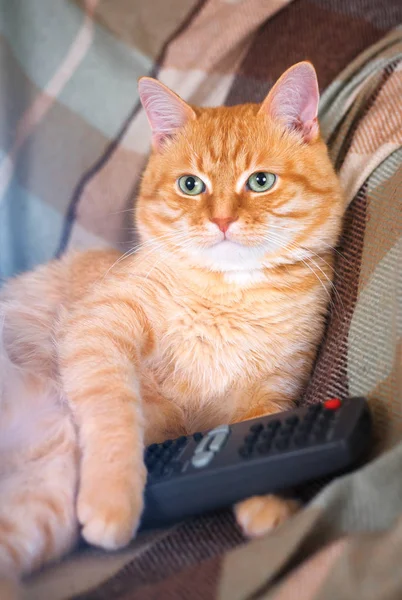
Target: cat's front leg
[[100, 357], [260, 514]]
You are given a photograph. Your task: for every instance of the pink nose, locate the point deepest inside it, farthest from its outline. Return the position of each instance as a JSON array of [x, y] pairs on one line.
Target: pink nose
[[223, 224]]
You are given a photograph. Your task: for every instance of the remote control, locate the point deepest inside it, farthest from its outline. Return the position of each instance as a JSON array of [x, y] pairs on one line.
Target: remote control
[[206, 471]]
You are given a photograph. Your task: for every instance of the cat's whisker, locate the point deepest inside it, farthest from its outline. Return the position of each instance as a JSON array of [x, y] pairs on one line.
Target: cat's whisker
[[173, 253], [335, 291], [342, 256], [119, 212], [137, 248], [156, 245], [298, 247], [327, 246], [293, 246], [320, 280], [121, 258]]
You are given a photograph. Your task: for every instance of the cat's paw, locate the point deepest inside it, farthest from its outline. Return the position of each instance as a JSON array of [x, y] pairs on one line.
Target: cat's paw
[[109, 512], [259, 514]]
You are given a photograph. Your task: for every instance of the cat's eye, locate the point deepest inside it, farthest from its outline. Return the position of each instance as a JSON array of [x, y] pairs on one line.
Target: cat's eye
[[262, 181], [191, 185]]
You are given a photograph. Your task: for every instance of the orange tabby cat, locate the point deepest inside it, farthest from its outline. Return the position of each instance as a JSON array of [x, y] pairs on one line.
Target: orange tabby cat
[[216, 318]]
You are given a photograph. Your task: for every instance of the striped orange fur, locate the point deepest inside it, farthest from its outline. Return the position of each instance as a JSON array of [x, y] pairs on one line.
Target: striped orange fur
[[216, 317]]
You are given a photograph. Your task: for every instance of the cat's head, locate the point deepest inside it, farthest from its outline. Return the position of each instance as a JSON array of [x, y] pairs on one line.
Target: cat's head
[[243, 187]]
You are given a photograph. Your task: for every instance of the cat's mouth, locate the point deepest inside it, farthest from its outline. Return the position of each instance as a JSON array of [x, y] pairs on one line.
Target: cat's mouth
[[226, 241], [228, 255]]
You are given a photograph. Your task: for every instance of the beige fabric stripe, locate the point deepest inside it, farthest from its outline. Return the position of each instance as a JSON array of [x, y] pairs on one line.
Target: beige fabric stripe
[[143, 25], [219, 34], [378, 135], [368, 568], [384, 223], [248, 568], [374, 331], [304, 582]]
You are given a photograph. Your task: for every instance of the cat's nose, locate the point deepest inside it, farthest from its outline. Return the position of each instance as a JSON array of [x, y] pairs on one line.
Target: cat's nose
[[223, 223]]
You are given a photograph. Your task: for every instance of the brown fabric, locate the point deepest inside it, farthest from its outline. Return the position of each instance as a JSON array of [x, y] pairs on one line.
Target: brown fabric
[[187, 545], [330, 374], [330, 34], [198, 583]]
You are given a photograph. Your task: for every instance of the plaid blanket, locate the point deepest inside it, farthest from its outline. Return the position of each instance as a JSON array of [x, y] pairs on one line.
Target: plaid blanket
[[73, 141]]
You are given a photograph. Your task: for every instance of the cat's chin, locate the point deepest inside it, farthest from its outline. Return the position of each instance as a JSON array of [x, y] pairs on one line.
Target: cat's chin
[[228, 256]]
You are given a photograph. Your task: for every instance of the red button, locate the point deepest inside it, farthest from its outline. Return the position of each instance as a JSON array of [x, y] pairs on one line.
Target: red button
[[333, 404]]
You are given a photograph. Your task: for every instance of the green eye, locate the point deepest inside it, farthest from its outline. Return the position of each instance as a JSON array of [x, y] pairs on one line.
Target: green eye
[[261, 181], [191, 185]]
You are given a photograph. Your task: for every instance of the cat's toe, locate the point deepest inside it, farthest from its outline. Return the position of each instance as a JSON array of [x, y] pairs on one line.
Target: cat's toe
[[109, 517], [259, 514]]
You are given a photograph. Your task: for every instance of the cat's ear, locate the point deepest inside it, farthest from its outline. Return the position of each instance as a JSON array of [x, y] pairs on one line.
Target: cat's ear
[[166, 112], [294, 99]]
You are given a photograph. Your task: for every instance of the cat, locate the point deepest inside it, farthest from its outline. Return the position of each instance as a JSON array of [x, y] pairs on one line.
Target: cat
[[216, 318]]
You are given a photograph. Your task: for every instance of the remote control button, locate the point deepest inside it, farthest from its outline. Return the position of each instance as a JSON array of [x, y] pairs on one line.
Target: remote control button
[[333, 404], [152, 447], [202, 459], [263, 448], [314, 408], [321, 425], [319, 436], [203, 444], [329, 414], [150, 463], [181, 441], [282, 444], [157, 470], [285, 431], [273, 425], [166, 456], [167, 471], [267, 435], [167, 443], [292, 420], [310, 418], [197, 436], [323, 419], [250, 438], [245, 451], [256, 428], [223, 428], [304, 427], [218, 441], [158, 451]]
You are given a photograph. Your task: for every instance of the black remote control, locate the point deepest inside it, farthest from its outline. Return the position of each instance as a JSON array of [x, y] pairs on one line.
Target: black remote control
[[206, 471]]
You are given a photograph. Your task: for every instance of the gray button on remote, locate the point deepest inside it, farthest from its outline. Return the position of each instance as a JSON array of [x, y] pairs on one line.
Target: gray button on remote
[[219, 429], [218, 441], [202, 459], [203, 444]]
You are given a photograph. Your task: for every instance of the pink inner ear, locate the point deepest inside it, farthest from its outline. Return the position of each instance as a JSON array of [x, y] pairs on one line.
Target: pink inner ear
[[166, 112], [294, 100]]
